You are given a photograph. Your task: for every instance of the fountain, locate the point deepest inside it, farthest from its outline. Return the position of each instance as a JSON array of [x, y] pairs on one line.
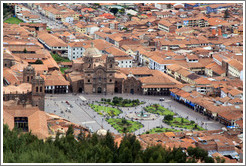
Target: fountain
[[141, 116]]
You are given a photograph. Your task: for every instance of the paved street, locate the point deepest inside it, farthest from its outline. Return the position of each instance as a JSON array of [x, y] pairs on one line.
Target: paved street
[[82, 114], [53, 24]]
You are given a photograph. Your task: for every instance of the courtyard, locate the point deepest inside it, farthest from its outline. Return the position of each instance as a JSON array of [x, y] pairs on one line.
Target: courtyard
[[77, 109]]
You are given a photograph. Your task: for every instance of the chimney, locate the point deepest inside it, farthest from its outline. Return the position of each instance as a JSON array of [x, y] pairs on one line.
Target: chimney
[[213, 31], [219, 31]]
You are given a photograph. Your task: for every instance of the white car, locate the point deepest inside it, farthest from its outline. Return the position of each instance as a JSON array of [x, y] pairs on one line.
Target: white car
[[162, 99]]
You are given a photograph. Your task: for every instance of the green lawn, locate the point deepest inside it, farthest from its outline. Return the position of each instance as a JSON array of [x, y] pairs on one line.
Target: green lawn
[[107, 110], [13, 20], [161, 130], [63, 69], [177, 122], [127, 126], [157, 109], [58, 58]]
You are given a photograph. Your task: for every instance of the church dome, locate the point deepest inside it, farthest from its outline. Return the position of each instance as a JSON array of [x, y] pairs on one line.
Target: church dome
[[92, 52], [29, 67]]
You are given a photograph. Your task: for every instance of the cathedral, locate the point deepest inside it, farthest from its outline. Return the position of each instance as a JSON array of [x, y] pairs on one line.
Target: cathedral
[[94, 74]]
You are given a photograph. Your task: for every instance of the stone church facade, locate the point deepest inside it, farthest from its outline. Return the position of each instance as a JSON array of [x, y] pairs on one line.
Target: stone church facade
[[94, 74]]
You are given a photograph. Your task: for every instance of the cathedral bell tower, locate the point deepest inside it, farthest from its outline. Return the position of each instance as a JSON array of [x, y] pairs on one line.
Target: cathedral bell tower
[[28, 74], [110, 62], [38, 92]]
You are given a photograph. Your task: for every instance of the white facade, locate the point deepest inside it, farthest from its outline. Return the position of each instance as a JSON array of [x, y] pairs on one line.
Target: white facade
[[241, 75], [217, 61], [53, 88], [92, 30], [156, 66], [234, 72], [126, 63], [160, 6], [19, 8], [69, 20], [75, 52], [223, 94], [163, 27], [54, 48]]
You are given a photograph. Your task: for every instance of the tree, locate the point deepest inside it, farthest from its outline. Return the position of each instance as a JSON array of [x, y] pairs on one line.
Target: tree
[[209, 159], [182, 120], [114, 10], [192, 122], [156, 106], [122, 11], [25, 51], [226, 14], [69, 130], [124, 121], [169, 6], [38, 62], [168, 118], [115, 100]]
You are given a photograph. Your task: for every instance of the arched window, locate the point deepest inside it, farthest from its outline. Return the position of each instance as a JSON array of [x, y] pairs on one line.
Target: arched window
[[27, 78], [89, 80], [41, 89], [36, 89], [111, 65], [110, 80]]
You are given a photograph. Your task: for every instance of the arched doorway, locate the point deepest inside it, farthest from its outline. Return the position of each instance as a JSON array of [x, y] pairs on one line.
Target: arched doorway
[[132, 91], [99, 90], [116, 90], [80, 90]]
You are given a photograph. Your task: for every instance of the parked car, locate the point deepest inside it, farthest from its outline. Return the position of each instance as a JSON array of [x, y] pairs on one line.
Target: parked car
[[162, 99]]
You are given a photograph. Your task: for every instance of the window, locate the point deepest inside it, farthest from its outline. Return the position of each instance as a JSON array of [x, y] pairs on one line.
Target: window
[[111, 65], [21, 123], [31, 77], [36, 89], [110, 80], [89, 80], [27, 78], [41, 89]]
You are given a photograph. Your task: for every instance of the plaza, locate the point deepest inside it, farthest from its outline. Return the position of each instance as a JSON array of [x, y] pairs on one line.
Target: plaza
[[76, 109]]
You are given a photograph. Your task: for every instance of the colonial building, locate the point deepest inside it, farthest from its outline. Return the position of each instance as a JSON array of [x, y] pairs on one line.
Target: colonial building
[[96, 74], [30, 91], [93, 74]]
